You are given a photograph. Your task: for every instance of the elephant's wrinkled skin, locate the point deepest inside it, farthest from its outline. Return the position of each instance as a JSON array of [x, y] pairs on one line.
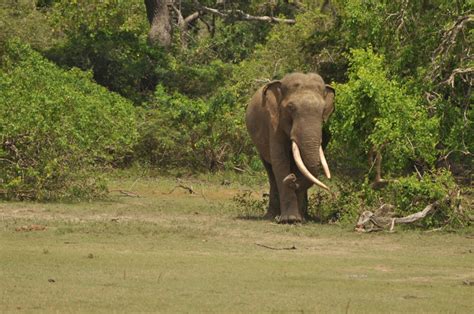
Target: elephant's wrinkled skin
[[292, 109]]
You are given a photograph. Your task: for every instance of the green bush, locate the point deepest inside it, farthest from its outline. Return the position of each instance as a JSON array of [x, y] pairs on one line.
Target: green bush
[[21, 19], [377, 113], [177, 131], [248, 206], [408, 195], [56, 128], [412, 194], [352, 199], [109, 39], [194, 79]]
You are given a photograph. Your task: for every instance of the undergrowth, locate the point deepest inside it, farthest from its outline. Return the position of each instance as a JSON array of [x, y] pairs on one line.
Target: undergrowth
[[408, 195]]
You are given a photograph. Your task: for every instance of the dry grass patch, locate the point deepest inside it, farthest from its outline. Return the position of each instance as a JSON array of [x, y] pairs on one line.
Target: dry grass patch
[[180, 252]]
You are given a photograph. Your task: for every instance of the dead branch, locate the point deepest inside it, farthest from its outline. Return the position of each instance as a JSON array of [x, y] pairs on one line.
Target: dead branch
[[185, 187], [262, 80], [276, 248], [447, 43], [241, 15], [233, 167], [382, 219], [238, 169], [377, 162], [181, 22], [460, 72], [127, 193], [192, 17], [401, 16], [210, 28]]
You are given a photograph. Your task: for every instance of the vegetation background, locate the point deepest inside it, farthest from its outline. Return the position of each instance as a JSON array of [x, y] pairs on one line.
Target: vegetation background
[[86, 86]]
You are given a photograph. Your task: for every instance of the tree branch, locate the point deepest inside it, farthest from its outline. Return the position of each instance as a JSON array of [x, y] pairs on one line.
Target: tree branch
[[460, 72], [447, 43], [383, 217], [181, 22], [190, 18], [241, 15]]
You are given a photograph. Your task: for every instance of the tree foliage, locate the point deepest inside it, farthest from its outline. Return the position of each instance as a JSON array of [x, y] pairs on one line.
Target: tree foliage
[[402, 72], [376, 113], [194, 133], [56, 127], [21, 19]]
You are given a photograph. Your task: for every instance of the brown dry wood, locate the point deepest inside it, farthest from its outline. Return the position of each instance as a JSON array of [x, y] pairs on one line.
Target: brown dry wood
[[459, 72], [127, 193], [241, 15], [369, 221], [188, 188], [276, 248], [448, 41]]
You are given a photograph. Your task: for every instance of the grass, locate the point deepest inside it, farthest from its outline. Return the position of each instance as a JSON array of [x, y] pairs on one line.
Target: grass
[[177, 252]]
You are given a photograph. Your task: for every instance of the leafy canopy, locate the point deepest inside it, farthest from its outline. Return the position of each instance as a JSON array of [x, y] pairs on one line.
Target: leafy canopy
[[56, 127], [376, 112]]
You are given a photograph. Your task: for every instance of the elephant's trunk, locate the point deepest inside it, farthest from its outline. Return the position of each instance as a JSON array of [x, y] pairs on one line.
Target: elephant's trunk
[[304, 170]]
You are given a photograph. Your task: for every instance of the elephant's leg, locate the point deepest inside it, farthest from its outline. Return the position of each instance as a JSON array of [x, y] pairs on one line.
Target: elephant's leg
[[287, 186], [274, 204], [302, 196], [286, 182]]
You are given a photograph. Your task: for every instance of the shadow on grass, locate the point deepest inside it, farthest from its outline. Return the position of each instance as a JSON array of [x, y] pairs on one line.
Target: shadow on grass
[[250, 217]]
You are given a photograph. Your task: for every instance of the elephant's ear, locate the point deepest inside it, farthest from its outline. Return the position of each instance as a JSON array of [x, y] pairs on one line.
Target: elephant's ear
[[272, 95], [329, 94]]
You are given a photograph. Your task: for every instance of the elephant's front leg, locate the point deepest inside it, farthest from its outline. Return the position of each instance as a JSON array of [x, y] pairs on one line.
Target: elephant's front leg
[[301, 189], [290, 211], [286, 182], [302, 195], [274, 203]]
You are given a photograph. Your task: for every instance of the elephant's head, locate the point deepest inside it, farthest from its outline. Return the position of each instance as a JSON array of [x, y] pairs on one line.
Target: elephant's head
[[299, 104]]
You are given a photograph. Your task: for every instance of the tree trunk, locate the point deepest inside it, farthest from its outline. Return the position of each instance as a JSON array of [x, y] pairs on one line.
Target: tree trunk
[[160, 22]]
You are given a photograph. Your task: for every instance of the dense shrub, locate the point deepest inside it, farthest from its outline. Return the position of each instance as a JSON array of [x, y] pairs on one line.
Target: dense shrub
[[56, 128], [109, 39], [376, 113], [352, 199], [21, 19], [194, 79], [408, 195], [248, 206], [412, 194], [177, 131], [408, 96]]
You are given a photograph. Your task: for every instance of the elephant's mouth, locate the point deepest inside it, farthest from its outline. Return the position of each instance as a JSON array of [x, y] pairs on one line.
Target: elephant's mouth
[[304, 170]]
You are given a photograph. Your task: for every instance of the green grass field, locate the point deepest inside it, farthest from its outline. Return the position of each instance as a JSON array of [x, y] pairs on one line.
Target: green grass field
[[177, 252]]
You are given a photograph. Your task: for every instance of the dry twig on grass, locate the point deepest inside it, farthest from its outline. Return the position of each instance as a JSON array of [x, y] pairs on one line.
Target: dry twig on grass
[[276, 248], [185, 187], [126, 193]]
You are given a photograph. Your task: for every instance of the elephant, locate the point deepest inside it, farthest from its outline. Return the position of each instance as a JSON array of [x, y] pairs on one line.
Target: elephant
[[285, 121]]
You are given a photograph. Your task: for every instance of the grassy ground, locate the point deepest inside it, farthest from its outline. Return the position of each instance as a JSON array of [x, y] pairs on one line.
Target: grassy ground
[[177, 252]]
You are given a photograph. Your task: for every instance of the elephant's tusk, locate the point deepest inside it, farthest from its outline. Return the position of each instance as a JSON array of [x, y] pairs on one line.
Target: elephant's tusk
[[324, 163], [303, 169]]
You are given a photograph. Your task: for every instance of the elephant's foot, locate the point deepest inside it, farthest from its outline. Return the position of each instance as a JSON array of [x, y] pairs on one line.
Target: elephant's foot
[[290, 219], [271, 214]]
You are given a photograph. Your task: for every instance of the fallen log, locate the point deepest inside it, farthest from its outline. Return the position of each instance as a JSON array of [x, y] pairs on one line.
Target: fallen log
[[382, 219]]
